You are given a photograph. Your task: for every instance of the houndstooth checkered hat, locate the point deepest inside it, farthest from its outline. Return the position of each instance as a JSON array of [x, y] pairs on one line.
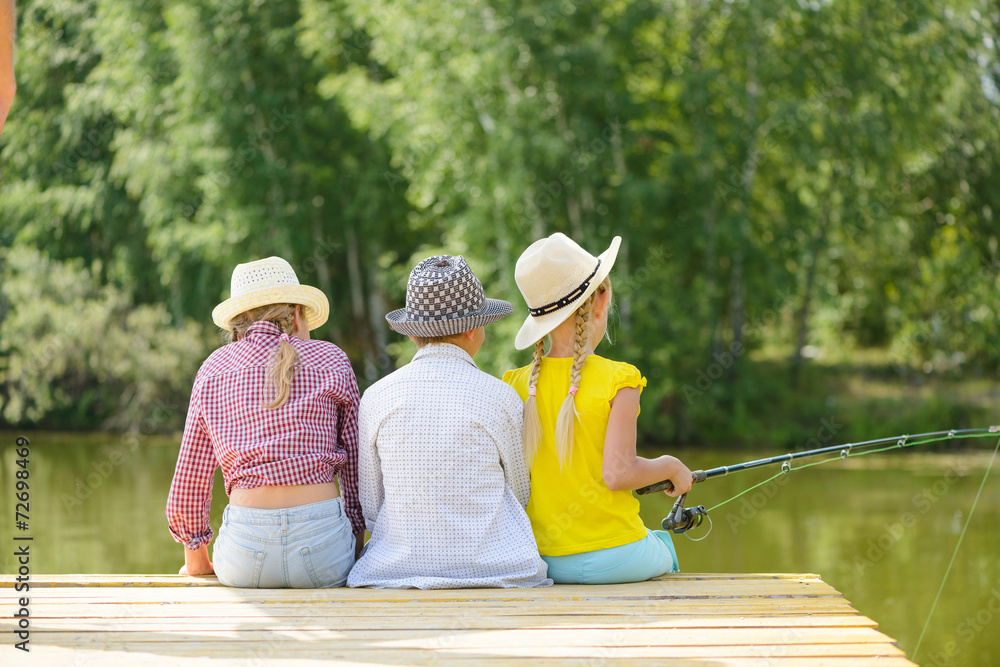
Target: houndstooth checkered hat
[[444, 297]]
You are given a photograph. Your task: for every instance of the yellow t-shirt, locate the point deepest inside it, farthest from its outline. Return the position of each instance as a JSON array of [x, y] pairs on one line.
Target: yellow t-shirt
[[572, 510]]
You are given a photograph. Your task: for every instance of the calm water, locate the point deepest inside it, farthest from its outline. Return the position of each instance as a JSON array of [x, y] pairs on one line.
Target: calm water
[[880, 529]]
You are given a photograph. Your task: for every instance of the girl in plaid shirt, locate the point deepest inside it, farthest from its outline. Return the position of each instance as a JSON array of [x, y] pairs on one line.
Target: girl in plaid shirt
[[278, 412]]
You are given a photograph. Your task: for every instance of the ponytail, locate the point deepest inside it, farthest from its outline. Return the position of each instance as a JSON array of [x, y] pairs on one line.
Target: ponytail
[[282, 367], [282, 363]]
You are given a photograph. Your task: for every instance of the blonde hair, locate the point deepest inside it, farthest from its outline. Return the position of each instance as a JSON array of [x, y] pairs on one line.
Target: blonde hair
[[282, 362], [566, 419], [532, 433]]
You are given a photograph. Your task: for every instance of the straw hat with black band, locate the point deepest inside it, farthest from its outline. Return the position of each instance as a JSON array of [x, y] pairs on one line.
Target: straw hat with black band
[[269, 281], [555, 275]]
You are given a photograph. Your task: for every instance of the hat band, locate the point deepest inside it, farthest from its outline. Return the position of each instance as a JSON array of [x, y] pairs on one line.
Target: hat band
[[566, 300]]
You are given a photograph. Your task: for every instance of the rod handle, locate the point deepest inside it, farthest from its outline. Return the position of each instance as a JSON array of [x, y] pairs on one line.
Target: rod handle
[[667, 485]]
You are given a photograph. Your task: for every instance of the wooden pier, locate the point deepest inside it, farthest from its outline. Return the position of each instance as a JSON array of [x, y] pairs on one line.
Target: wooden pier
[[689, 620]]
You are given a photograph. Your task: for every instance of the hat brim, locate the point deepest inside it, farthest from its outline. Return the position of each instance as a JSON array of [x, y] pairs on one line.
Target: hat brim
[[536, 328], [317, 307], [492, 310]]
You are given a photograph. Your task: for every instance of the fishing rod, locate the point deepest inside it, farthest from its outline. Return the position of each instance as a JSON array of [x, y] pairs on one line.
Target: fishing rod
[[683, 518]]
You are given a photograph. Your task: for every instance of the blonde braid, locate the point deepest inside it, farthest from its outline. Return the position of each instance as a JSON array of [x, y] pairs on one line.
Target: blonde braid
[[568, 415], [532, 434]]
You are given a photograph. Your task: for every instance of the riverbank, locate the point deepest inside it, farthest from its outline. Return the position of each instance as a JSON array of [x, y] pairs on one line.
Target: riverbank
[[860, 395], [865, 397]]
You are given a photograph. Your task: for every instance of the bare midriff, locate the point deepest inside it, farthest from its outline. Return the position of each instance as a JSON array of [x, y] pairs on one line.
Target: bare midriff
[[281, 497]]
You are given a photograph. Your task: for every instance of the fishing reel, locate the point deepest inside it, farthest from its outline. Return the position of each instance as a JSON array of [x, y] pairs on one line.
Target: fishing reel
[[682, 519]]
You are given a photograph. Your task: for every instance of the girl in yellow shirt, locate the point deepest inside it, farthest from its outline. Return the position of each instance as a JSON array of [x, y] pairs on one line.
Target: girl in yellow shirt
[[580, 425]]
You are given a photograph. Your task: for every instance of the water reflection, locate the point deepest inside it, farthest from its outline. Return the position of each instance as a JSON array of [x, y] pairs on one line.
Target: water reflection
[[880, 529]]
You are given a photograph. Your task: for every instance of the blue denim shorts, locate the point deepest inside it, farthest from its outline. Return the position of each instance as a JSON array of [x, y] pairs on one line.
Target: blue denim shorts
[[644, 559], [310, 546]]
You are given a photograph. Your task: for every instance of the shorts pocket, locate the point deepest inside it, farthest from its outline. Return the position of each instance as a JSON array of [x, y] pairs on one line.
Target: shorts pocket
[[236, 565], [328, 563]]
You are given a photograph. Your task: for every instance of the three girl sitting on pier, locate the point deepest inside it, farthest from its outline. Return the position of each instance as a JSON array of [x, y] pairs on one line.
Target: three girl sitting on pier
[[462, 480]]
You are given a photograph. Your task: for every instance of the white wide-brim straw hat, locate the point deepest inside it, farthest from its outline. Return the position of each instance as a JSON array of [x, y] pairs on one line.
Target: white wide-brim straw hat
[[269, 281], [444, 297], [555, 275]]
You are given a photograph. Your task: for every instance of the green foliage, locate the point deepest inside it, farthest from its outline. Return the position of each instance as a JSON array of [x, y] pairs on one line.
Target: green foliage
[[790, 180], [79, 354]]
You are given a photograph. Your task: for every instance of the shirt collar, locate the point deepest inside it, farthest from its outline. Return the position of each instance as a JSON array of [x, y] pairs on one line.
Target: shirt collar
[[263, 333], [444, 350]]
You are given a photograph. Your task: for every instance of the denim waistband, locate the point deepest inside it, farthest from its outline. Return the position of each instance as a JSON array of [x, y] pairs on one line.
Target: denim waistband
[[325, 509]]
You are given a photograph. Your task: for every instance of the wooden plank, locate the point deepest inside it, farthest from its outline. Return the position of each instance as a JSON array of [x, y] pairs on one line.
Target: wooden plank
[[764, 652], [473, 639], [646, 591], [246, 648], [654, 589], [180, 609], [456, 621], [49, 656], [174, 580], [303, 647]]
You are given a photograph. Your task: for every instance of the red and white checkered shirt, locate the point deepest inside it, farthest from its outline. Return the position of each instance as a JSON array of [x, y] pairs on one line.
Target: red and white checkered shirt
[[308, 440]]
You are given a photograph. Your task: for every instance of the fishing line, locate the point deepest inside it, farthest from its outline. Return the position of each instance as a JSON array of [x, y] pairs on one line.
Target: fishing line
[[953, 555], [846, 452], [681, 519], [745, 491]]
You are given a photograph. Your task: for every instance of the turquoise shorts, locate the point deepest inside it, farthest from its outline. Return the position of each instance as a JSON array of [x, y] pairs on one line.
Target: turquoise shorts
[[644, 559]]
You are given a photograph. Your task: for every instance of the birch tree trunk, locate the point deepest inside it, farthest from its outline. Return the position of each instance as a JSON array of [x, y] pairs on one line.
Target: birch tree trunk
[[357, 288], [802, 315]]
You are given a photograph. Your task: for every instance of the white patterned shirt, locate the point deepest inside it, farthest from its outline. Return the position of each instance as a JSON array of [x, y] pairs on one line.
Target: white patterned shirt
[[442, 480]]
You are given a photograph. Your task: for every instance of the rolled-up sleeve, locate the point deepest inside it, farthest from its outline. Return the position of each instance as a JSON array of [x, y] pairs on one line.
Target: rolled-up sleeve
[[190, 501]]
